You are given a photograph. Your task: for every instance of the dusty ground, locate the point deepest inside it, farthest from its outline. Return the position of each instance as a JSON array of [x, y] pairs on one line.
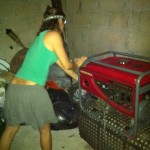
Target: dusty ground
[[28, 139]]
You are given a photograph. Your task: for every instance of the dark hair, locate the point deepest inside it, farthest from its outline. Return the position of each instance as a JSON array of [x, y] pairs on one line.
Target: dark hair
[[51, 24]]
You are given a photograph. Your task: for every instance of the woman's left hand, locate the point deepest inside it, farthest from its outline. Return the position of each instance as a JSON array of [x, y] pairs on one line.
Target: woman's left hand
[[79, 61]]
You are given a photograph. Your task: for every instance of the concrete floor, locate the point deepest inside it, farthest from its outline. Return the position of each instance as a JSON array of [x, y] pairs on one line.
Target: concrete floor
[[28, 139]]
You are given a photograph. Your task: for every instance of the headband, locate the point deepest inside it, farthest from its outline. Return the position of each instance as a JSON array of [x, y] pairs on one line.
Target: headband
[[53, 17]]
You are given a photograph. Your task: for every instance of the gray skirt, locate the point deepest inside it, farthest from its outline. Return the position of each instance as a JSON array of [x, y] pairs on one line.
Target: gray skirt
[[29, 104]]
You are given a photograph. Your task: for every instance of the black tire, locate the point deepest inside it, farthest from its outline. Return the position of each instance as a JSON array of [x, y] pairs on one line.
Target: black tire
[[67, 115], [2, 121]]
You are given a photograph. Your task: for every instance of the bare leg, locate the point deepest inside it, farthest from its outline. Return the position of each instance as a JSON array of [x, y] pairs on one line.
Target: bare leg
[[45, 137], [7, 136]]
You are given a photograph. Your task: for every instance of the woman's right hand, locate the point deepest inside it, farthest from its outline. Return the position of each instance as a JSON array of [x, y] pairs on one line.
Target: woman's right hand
[[79, 61]]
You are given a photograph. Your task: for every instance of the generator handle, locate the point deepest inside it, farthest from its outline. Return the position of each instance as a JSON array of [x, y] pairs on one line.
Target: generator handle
[[114, 67], [119, 53], [92, 59]]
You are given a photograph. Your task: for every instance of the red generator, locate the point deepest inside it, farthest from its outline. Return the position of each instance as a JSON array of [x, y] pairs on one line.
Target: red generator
[[117, 114]]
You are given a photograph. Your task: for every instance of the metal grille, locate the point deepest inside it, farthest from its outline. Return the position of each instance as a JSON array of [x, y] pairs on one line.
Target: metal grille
[[108, 131], [91, 126], [142, 140]]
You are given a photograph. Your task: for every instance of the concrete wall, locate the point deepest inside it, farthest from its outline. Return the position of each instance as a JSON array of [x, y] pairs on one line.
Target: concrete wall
[[92, 25], [101, 25], [24, 18]]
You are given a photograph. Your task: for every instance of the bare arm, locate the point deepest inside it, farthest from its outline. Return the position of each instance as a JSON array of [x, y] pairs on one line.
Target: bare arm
[[71, 73], [53, 41]]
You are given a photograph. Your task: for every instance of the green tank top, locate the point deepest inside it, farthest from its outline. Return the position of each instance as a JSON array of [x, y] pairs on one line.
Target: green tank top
[[37, 62]]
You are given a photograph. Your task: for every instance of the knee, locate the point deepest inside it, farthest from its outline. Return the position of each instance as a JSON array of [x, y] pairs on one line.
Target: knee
[[11, 130], [44, 129]]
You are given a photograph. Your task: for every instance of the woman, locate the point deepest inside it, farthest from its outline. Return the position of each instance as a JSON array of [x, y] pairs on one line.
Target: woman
[[27, 101]]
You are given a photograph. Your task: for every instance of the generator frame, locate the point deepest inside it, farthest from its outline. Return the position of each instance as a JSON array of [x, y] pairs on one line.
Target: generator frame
[[138, 90]]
